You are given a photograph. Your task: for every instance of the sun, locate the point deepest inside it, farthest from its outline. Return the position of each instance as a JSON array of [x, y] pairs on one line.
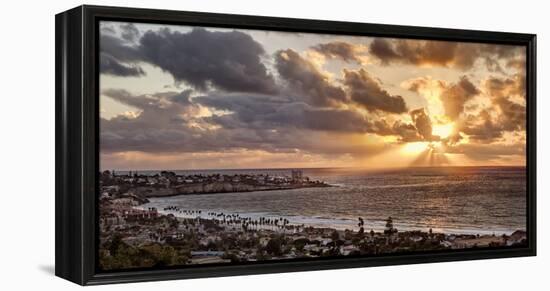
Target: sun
[[443, 130]]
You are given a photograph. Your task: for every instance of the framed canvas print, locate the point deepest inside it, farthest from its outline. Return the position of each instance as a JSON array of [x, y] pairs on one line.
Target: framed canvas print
[[197, 145]]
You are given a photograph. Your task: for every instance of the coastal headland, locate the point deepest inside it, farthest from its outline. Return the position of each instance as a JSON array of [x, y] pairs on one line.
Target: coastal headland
[[168, 183]]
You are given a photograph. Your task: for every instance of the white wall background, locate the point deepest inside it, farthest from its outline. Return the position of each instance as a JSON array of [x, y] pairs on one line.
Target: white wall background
[[27, 145]]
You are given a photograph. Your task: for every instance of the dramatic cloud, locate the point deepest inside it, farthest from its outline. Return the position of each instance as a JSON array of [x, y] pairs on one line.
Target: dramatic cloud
[[423, 124], [119, 58], [419, 84], [119, 49], [451, 96], [441, 53], [287, 105], [175, 123], [367, 92], [419, 130], [271, 112], [481, 128], [417, 52], [129, 32], [110, 66], [513, 115], [306, 79], [504, 115], [507, 87], [339, 50], [405, 131], [161, 123], [229, 61], [456, 95]]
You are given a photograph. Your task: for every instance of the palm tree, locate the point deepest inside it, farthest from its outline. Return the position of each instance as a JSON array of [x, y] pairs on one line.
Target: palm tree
[[389, 226], [361, 224]]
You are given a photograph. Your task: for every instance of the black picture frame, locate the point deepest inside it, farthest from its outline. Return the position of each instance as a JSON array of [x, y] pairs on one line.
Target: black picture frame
[[77, 135]]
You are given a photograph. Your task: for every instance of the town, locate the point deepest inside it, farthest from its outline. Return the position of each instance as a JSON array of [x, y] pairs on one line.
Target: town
[[134, 236], [168, 183]]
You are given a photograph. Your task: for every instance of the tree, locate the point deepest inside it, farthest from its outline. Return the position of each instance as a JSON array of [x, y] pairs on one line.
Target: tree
[[116, 242], [361, 224], [389, 226], [335, 235], [273, 247]]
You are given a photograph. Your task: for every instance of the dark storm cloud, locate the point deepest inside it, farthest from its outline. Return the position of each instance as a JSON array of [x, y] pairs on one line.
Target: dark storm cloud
[[513, 115], [152, 102], [456, 95], [338, 50], [274, 113], [336, 120], [119, 49], [419, 130], [503, 116], [183, 98], [118, 58], [164, 123], [481, 128], [305, 79], [505, 87], [229, 61], [168, 122], [441, 53], [405, 131], [416, 52], [383, 50], [270, 112], [110, 66], [366, 92], [129, 32], [107, 29]]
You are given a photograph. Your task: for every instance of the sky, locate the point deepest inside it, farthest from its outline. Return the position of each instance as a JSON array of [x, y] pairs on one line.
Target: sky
[[179, 97]]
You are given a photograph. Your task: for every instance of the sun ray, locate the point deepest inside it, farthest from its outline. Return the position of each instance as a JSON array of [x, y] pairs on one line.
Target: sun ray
[[443, 130], [414, 148]]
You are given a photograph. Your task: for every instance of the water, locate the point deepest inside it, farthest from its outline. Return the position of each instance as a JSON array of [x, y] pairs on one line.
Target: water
[[477, 200]]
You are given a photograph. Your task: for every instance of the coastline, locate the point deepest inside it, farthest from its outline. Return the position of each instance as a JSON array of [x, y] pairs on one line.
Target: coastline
[[158, 193], [168, 184], [340, 224], [129, 230]]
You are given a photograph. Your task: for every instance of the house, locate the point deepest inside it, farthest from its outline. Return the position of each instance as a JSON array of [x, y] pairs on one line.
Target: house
[[346, 250]]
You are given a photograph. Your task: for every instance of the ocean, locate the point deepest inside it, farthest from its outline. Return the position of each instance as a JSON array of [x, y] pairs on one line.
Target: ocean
[[461, 200]]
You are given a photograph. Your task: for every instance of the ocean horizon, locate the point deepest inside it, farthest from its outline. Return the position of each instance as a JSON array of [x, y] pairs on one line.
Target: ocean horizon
[[461, 200], [275, 169]]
